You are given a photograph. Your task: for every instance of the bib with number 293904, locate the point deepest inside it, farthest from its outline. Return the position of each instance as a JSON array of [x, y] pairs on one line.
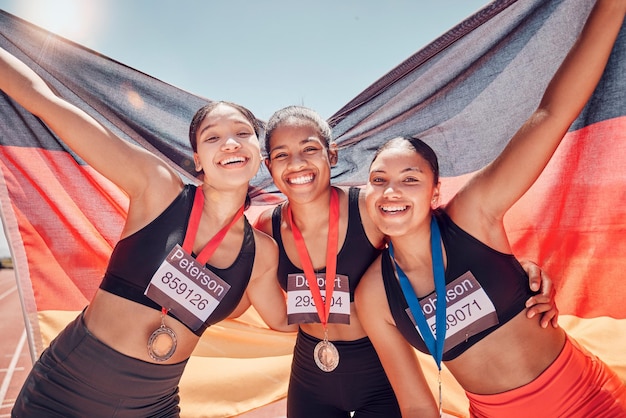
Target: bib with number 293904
[[301, 305]]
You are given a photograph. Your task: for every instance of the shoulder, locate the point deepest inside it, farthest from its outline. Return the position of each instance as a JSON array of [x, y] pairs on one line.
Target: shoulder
[[266, 248], [264, 221], [147, 206], [344, 196], [371, 282], [159, 187], [370, 296], [265, 256], [374, 235], [264, 241]]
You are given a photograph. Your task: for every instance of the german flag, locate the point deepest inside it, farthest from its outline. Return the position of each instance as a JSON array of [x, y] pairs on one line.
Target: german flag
[[465, 94]]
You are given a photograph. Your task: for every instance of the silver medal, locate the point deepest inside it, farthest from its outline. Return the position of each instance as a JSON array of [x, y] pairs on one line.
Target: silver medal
[[326, 355]]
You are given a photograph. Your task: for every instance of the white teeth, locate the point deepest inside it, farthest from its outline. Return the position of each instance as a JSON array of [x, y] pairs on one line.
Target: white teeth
[[301, 179], [393, 209], [232, 160]]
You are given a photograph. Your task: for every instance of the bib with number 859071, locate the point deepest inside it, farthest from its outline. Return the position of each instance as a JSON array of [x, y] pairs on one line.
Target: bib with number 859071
[[468, 312]]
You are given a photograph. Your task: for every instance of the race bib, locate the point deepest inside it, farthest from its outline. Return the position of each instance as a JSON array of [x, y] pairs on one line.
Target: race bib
[[301, 306], [468, 311], [187, 288]]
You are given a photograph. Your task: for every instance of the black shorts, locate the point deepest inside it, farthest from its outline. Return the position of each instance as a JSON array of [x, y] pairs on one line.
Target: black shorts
[[79, 376], [358, 384]]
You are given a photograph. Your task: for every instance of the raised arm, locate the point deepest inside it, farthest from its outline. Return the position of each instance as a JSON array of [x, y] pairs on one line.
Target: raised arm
[[130, 167], [494, 190]]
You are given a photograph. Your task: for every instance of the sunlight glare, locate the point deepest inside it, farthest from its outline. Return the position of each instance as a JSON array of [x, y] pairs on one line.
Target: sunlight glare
[[76, 20]]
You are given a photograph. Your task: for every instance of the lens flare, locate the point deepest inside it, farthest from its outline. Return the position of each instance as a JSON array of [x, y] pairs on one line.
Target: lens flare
[[75, 20]]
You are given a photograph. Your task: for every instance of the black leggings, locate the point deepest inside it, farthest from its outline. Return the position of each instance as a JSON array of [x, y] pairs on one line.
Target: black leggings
[[79, 376], [358, 383]]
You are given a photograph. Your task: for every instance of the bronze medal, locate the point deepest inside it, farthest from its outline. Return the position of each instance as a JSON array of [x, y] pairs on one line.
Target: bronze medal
[[162, 343], [326, 356]]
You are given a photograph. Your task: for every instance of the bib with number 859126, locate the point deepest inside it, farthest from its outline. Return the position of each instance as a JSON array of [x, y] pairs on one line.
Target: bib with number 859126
[[186, 288]]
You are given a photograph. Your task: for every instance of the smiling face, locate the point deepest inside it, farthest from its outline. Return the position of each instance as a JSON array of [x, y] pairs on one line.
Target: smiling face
[[400, 190], [299, 160], [227, 147]]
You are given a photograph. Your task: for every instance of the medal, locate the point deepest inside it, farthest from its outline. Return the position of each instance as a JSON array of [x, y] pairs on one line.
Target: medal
[[325, 354], [162, 342]]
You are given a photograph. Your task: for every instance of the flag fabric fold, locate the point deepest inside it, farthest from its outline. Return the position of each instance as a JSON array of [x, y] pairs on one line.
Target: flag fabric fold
[[465, 94], [467, 100]]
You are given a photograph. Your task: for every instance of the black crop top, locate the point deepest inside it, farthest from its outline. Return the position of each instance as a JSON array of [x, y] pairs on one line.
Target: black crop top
[[355, 256], [500, 275], [137, 257]]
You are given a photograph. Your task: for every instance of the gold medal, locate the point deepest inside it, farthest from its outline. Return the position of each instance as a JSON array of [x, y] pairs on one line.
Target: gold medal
[[162, 342], [326, 356]]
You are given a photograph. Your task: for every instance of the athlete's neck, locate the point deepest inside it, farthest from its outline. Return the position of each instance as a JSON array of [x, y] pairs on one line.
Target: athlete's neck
[[412, 250], [312, 215], [221, 205]]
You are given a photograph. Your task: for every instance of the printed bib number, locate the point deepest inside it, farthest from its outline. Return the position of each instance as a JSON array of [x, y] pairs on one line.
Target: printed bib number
[[186, 288], [301, 306], [468, 310]]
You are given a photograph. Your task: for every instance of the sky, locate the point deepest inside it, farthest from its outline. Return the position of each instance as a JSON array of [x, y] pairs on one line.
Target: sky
[[263, 54]]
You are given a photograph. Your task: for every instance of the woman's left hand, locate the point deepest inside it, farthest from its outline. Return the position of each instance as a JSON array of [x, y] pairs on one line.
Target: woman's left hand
[[543, 303]]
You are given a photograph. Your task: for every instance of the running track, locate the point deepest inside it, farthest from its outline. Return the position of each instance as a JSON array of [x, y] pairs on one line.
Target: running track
[[14, 356]]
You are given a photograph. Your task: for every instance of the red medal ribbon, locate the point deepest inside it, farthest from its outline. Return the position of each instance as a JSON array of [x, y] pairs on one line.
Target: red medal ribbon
[[194, 222], [323, 309]]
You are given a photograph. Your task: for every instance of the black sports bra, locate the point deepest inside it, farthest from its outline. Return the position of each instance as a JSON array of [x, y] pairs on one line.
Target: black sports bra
[[500, 275], [137, 257], [354, 257]]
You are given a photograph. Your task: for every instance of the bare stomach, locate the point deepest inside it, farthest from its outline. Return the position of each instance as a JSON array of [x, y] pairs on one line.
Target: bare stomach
[[338, 332], [510, 357], [126, 326]]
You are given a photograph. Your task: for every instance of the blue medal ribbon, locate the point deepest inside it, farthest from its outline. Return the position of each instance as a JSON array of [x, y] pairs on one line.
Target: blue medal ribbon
[[435, 345]]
